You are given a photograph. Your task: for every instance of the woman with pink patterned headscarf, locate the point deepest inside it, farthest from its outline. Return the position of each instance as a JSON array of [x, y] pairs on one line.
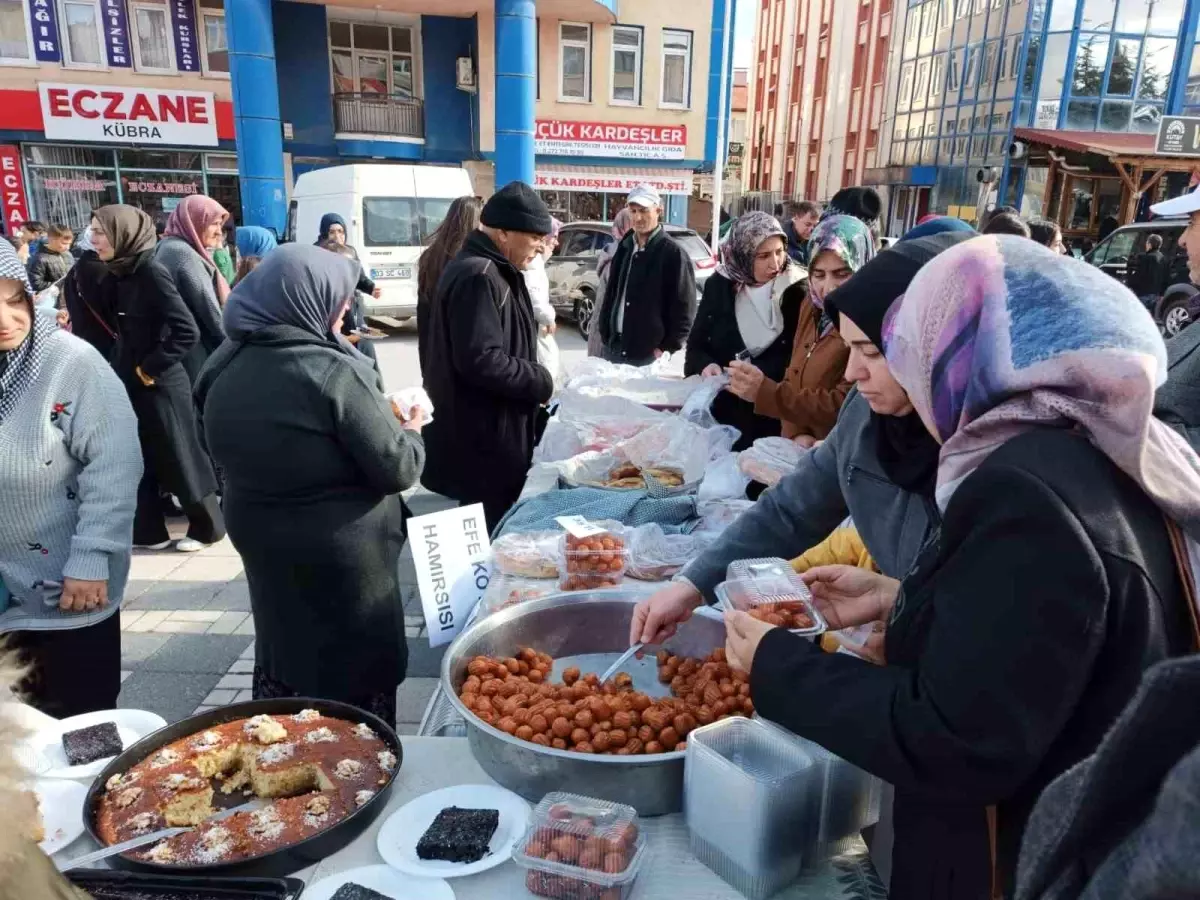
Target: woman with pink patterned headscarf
[[194, 230]]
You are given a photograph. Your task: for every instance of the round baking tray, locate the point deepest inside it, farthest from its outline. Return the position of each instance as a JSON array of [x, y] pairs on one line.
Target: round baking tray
[[284, 860]]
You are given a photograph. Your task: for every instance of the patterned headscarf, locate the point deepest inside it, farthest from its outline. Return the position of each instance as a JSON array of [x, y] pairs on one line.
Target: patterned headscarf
[[189, 220], [741, 246], [845, 236], [20, 366], [999, 334]]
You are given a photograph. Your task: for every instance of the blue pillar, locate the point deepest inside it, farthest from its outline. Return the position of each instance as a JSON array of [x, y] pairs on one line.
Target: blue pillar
[[1183, 59], [516, 57], [256, 113]]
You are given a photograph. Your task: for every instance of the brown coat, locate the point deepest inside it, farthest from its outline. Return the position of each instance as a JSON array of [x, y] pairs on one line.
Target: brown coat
[[814, 386]]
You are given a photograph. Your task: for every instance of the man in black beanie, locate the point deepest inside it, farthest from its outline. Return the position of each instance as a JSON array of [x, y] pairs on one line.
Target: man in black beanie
[[481, 371]]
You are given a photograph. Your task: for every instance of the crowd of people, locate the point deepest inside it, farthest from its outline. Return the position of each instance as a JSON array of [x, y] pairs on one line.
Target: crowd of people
[[983, 414]]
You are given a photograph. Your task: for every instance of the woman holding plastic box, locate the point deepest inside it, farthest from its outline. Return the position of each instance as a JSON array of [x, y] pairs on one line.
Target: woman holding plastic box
[[1025, 627]]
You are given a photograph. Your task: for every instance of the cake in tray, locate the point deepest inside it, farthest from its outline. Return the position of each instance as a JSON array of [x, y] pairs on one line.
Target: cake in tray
[[315, 769]]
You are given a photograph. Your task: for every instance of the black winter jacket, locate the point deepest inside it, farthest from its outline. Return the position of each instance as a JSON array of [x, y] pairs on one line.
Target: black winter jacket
[[483, 378], [1178, 401], [1017, 639], [47, 267], [90, 298], [659, 285], [156, 329], [715, 338]]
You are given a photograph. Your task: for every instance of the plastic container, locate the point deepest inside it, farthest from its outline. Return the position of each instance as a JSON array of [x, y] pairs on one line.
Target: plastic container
[[596, 561], [752, 800], [580, 848], [759, 568], [783, 599]]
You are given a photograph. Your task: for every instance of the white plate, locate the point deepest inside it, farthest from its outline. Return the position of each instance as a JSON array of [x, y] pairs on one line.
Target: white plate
[[386, 881], [397, 841], [61, 805], [46, 746]]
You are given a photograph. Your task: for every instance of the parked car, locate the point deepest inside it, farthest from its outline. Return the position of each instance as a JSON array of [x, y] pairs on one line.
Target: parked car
[[1179, 305], [572, 269]]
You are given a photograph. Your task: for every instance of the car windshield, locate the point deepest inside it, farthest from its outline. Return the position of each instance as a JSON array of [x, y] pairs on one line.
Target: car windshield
[[401, 221], [693, 244]]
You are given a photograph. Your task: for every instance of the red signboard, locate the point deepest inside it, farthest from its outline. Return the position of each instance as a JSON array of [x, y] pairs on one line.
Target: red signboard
[[555, 137], [12, 185]]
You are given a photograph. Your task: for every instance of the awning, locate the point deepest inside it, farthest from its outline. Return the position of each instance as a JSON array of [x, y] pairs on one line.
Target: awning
[[1103, 143], [612, 179]]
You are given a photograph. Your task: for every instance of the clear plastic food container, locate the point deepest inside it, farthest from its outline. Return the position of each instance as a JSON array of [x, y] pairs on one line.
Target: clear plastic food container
[[780, 599], [752, 800], [580, 848], [759, 568], [595, 561]]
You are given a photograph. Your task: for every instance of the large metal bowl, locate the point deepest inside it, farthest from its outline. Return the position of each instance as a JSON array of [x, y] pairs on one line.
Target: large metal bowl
[[589, 630]]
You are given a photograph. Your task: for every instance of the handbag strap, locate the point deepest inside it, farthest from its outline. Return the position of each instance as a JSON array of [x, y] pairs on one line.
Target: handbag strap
[[1184, 565]]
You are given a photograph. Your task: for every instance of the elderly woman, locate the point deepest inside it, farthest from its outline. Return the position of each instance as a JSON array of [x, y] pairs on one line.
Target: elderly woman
[[809, 395], [321, 536], [1024, 629], [749, 311], [68, 483]]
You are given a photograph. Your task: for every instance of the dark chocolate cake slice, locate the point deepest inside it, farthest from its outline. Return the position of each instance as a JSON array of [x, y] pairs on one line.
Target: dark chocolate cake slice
[[86, 745], [352, 891], [459, 835]]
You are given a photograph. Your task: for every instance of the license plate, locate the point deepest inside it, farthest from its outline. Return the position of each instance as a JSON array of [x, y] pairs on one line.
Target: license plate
[[391, 272]]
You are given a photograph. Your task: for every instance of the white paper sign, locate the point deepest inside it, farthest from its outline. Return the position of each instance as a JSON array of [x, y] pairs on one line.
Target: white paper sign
[[580, 527], [450, 551]]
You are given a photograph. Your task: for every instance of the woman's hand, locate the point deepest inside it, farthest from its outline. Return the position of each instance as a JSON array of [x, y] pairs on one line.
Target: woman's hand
[[63, 318], [416, 420], [743, 634], [745, 380], [712, 370], [83, 596], [145, 379], [807, 441], [656, 618], [847, 595]]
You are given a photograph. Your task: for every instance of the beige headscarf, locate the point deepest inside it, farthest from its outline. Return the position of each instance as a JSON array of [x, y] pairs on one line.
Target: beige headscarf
[[130, 232]]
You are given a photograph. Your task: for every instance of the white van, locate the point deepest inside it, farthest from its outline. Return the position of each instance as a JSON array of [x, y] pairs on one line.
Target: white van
[[390, 212]]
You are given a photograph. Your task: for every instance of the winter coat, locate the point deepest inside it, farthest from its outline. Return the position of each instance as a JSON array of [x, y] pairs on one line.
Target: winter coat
[[194, 279], [1178, 401], [47, 267], [657, 284], [797, 247], [482, 377], [321, 535], [1019, 636], [715, 339], [90, 298]]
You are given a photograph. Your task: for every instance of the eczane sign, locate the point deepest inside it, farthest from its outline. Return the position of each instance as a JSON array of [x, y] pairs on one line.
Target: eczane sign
[[84, 112]]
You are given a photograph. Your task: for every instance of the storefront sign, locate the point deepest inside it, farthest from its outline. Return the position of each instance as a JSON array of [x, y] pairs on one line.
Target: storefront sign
[[616, 184], [12, 188], [1178, 136], [80, 112], [45, 31], [554, 137], [450, 554], [175, 188], [116, 33], [183, 21]]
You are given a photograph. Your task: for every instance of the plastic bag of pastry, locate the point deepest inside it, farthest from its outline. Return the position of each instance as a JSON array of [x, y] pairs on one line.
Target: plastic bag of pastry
[[656, 556], [769, 459], [675, 446], [723, 480], [533, 554], [404, 401], [509, 590]]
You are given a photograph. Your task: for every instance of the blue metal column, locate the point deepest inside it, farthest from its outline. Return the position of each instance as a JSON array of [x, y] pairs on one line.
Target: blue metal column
[[1183, 60], [516, 58], [256, 113]]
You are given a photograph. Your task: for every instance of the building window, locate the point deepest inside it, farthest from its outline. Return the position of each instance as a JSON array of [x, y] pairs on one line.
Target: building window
[[676, 68], [81, 33], [574, 62], [1158, 56], [16, 43], [627, 66], [369, 58], [152, 49], [212, 29]]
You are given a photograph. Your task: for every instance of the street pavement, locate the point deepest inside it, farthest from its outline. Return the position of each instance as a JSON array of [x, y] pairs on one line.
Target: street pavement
[[187, 635]]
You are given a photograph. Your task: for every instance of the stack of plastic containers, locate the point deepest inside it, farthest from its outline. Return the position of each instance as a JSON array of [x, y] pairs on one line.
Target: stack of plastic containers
[[593, 557]]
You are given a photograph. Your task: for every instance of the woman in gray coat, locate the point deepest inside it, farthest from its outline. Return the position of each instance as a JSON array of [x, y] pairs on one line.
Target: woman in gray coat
[[315, 460]]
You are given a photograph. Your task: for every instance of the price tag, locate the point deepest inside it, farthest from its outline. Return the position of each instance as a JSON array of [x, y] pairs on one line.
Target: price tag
[[578, 526]]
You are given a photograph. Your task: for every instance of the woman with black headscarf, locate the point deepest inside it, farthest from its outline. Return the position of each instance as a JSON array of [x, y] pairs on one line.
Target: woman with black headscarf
[[333, 228], [320, 536], [156, 332]]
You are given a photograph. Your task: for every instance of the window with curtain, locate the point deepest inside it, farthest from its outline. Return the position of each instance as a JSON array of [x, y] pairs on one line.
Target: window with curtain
[[212, 27], [574, 62], [152, 50], [627, 66], [369, 58], [676, 68], [81, 32], [14, 31]]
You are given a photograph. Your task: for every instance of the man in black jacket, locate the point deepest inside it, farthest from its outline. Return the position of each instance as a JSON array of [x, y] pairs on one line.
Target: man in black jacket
[[647, 308], [482, 374]]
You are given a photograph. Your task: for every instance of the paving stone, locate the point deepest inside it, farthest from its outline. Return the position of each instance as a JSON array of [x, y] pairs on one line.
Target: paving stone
[[241, 666], [193, 615], [206, 653], [227, 622], [177, 595], [202, 709], [173, 695], [221, 548], [207, 568], [425, 661], [414, 621], [125, 675], [147, 622], [248, 653], [412, 698], [170, 626], [136, 647], [151, 566], [232, 597], [246, 627], [128, 617], [407, 729], [220, 696], [244, 697], [236, 682], [412, 631]]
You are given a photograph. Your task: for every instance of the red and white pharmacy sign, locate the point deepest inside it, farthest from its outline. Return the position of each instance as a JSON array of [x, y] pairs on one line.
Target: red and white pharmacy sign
[[555, 137], [12, 187], [84, 112]]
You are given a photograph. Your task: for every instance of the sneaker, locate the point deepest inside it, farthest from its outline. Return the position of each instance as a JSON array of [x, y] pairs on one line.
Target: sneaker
[[160, 546], [189, 545]]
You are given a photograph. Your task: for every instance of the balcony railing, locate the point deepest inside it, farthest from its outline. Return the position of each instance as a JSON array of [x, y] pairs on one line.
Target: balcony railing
[[378, 114]]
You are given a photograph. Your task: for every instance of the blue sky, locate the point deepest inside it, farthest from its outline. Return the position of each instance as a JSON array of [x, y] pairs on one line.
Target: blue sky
[[743, 34]]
